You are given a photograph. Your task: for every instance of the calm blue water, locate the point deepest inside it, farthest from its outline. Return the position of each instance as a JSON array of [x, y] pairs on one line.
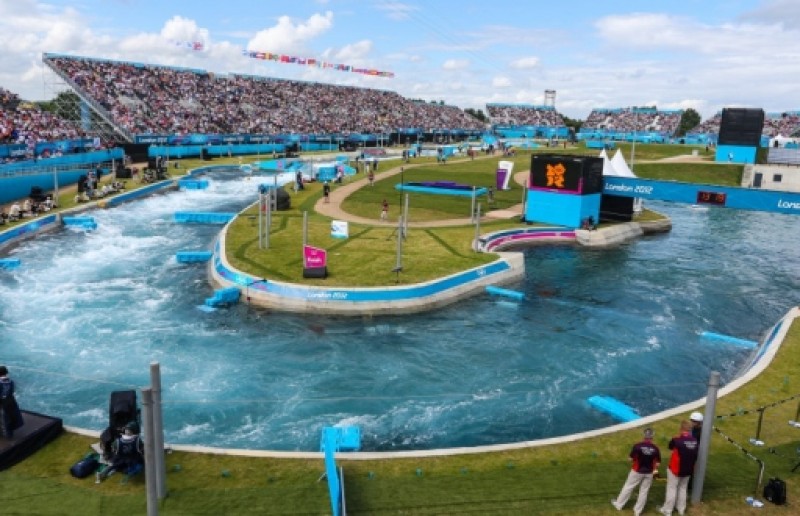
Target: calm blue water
[[88, 312]]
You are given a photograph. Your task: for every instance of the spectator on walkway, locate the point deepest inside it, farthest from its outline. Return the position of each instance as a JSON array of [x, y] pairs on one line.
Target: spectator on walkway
[[681, 466], [10, 415]]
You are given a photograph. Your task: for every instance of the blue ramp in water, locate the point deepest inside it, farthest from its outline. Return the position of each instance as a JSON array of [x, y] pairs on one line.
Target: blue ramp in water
[[224, 297], [9, 263], [744, 343], [80, 222], [504, 292], [614, 408], [186, 217], [192, 256]]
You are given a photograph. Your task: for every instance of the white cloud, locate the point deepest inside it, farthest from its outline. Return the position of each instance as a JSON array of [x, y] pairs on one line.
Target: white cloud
[[525, 63], [501, 82], [355, 51], [455, 64], [288, 36], [396, 10]]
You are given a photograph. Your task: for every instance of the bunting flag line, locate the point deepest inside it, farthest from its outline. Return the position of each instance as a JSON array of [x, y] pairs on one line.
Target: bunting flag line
[[310, 61], [197, 46]]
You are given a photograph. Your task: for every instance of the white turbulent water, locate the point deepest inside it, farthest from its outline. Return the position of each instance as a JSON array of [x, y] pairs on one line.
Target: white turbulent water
[[87, 313]]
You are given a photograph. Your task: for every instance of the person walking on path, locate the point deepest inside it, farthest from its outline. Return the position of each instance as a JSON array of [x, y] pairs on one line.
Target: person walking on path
[[645, 458], [326, 192], [385, 210], [681, 466]]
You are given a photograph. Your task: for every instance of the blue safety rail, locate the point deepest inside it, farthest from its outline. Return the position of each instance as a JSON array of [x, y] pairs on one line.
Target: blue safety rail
[[336, 439], [192, 256], [504, 292], [80, 222], [9, 263], [224, 297], [744, 343], [405, 187], [614, 408], [193, 184], [203, 218], [709, 195]]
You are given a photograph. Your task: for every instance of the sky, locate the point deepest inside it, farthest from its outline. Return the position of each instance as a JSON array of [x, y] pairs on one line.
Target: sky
[[674, 54]]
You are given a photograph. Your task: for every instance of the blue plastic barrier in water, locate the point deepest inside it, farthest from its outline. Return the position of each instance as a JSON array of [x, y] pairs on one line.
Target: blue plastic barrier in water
[[614, 408], [203, 218], [750, 344], [192, 256], [224, 297], [346, 438], [193, 184], [497, 291], [81, 222], [9, 263]]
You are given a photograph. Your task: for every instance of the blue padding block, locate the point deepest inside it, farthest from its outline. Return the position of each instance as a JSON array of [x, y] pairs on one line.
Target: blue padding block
[[614, 408], [203, 218], [497, 291], [224, 297], [193, 184], [192, 256], [345, 438], [82, 222], [750, 344], [9, 263]]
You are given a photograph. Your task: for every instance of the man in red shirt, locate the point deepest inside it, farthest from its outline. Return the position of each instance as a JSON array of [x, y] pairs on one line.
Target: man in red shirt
[[645, 457], [681, 465]]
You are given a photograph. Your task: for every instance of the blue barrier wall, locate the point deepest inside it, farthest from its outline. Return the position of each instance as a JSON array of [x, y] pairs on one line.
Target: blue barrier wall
[[714, 195], [26, 229], [15, 185], [185, 151], [735, 154], [562, 209]]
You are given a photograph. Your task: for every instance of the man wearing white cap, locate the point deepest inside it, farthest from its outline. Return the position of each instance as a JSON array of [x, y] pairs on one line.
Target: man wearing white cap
[[697, 424]]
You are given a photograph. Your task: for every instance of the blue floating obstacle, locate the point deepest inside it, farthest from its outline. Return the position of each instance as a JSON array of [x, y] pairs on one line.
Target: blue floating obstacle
[[224, 297], [192, 256], [504, 292], [81, 222], [346, 438], [744, 343], [9, 263], [193, 184], [614, 408], [203, 217]]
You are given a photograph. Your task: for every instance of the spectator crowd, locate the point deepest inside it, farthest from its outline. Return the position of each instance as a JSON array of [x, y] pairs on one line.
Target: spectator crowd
[[524, 115], [633, 119]]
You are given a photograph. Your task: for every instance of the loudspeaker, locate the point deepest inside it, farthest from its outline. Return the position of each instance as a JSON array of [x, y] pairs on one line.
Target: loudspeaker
[[315, 272], [741, 126]]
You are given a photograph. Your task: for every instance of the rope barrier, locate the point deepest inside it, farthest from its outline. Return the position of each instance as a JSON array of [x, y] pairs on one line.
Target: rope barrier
[[759, 409], [748, 455]]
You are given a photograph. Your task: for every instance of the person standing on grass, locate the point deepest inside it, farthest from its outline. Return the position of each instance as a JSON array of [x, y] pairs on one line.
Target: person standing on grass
[[326, 191], [645, 458], [681, 465], [10, 415]]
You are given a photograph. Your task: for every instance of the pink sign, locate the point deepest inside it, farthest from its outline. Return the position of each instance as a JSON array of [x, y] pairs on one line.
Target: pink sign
[[314, 257]]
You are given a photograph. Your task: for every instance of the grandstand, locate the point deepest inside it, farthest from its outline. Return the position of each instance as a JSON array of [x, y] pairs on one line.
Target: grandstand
[[641, 123], [526, 120], [139, 98]]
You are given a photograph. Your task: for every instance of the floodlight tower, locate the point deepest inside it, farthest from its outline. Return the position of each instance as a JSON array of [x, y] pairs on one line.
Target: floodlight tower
[[550, 98]]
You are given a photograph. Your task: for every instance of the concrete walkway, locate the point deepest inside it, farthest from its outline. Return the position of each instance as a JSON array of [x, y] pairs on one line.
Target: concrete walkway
[[333, 207]]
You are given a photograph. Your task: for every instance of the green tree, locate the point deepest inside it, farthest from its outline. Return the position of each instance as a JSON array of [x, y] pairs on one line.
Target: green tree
[[477, 113], [572, 123], [689, 120]]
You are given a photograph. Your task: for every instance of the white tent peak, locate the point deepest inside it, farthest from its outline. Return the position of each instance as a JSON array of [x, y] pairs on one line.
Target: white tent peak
[[620, 167]]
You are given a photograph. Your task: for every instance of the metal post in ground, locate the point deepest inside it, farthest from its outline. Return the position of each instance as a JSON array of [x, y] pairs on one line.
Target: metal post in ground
[[477, 245], [149, 452], [705, 438], [158, 431]]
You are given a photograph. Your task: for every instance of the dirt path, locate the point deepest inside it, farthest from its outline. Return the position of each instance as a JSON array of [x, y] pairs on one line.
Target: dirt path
[[334, 210]]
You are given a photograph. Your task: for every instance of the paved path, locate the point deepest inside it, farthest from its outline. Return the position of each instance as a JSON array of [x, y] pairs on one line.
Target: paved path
[[334, 210]]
